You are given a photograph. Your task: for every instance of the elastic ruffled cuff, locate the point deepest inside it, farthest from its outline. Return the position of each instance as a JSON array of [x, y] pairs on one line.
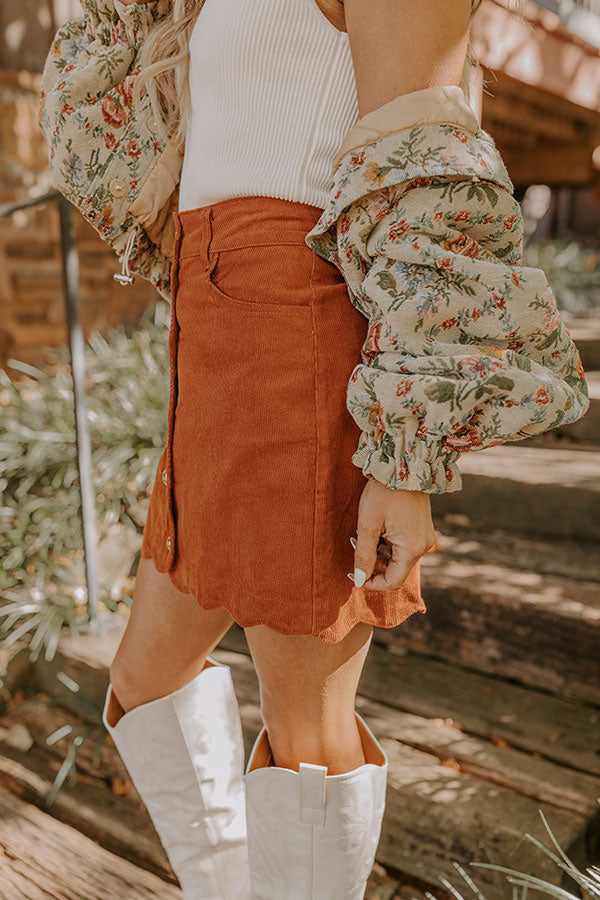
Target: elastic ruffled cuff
[[428, 468]]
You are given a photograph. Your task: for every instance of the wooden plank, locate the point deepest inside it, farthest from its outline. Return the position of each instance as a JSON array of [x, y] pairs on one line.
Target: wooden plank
[[538, 52], [436, 815], [508, 622], [549, 491], [586, 334], [118, 823], [44, 859], [552, 164], [494, 761], [560, 730]]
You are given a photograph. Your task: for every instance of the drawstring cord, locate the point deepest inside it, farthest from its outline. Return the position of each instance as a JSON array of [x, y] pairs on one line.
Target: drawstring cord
[[125, 276]]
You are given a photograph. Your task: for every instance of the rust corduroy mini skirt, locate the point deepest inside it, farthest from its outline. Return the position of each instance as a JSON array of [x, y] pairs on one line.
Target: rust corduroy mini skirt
[[255, 497]]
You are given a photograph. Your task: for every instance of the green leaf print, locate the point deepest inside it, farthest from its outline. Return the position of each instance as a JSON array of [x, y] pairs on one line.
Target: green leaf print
[[440, 392]]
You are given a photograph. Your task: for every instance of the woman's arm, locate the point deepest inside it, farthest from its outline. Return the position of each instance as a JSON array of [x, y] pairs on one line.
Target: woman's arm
[[399, 46], [465, 347]]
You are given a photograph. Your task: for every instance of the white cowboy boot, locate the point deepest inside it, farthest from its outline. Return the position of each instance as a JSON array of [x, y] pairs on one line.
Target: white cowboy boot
[[185, 755], [313, 836]]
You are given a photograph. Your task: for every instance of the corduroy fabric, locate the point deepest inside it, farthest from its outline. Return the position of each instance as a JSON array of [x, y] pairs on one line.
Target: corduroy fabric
[[256, 497]]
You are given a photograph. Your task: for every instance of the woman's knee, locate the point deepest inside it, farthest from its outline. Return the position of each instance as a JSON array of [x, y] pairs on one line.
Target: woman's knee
[[308, 691], [167, 625]]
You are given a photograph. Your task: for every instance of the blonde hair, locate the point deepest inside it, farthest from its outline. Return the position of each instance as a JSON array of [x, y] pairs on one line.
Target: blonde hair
[[165, 60]]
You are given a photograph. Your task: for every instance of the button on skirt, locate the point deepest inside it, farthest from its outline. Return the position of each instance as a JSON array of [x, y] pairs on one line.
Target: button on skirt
[[255, 497]]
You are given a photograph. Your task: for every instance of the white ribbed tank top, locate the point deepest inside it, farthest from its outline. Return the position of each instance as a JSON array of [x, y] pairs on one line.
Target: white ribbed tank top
[[273, 94]]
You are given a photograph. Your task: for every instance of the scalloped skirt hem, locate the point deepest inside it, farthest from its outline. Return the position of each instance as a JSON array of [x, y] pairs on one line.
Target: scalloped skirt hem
[[377, 610]]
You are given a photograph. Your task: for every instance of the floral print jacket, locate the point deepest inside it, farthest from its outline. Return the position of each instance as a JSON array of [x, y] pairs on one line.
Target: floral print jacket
[[465, 347]]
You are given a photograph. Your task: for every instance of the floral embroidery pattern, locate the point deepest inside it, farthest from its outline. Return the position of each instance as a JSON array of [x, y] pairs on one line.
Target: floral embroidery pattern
[[465, 347]]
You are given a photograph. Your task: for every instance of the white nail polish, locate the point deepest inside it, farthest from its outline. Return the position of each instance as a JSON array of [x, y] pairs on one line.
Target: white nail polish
[[359, 577], [353, 542], [350, 576]]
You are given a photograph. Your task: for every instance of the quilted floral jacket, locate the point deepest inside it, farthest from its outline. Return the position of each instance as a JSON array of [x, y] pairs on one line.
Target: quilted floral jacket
[[465, 346]]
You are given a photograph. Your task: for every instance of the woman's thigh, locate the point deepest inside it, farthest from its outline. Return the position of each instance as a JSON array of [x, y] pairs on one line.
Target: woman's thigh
[[308, 692], [166, 641]]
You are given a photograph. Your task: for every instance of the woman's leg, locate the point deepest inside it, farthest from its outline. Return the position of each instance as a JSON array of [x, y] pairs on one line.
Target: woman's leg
[[308, 690], [316, 778], [166, 641], [174, 719]]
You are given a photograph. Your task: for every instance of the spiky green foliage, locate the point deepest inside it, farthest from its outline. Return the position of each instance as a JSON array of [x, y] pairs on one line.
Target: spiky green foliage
[[41, 560], [588, 880]]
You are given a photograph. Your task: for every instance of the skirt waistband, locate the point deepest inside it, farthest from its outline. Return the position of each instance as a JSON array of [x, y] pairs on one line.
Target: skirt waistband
[[244, 222]]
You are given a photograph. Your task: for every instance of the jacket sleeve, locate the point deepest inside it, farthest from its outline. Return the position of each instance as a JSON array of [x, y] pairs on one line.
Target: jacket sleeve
[[465, 346], [86, 111]]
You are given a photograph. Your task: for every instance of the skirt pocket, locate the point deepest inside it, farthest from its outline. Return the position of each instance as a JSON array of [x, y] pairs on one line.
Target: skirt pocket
[[270, 275]]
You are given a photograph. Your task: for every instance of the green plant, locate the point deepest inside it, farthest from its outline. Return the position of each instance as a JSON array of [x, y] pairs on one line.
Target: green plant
[[41, 561], [588, 881]]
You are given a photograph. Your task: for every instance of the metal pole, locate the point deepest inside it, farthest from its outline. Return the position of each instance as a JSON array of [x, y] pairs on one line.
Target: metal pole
[[84, 455]]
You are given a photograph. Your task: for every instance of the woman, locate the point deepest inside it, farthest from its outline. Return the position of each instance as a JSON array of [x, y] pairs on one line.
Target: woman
[[259, 508]]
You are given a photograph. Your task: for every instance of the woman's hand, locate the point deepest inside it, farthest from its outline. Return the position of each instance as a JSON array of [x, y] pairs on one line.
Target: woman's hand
[[403, 519]]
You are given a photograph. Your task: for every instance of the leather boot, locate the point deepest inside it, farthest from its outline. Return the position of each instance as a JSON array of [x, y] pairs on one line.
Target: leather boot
[[185, 755], [313, 836]]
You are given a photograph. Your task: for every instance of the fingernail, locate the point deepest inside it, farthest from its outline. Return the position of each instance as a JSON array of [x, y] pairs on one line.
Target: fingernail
[[353, 542], [359, 577], [350, 576]]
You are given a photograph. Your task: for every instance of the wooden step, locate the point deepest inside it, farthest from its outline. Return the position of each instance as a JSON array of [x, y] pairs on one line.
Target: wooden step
[[535, 490], [543, 631], [44, 859], [573, 558], [586, 334], [472, 760], [585, 431]]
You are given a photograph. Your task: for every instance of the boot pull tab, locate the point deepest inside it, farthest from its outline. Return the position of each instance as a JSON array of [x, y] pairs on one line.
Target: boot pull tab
[[125, 276], [312, 793]]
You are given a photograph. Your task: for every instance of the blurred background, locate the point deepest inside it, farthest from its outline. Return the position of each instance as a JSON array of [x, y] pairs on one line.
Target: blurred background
[[488, 706]]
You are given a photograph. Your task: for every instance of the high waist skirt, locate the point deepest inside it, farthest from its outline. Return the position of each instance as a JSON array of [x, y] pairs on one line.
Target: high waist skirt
[[255, 497]]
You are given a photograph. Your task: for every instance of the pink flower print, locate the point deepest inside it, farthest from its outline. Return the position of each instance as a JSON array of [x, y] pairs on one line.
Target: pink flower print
[[403, 471], [376, 419], [404, 387], [462, 137], [463, 245], [133, 149], [113, 115], [542, 396], [373, 337], [399, 229]]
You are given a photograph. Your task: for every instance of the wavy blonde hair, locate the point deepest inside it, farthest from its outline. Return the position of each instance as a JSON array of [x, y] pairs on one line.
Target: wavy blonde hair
[[165, 61]]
